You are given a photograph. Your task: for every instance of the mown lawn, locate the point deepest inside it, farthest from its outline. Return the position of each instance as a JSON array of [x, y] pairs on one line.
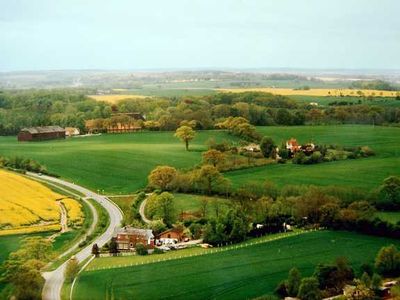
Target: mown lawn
[[115, 163], [235, 274], [365, 173]]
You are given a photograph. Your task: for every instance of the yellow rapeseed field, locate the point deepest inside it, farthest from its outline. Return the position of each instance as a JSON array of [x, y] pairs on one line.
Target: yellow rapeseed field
[[74, 211], [27, 206], [315, 92], [115, 98]]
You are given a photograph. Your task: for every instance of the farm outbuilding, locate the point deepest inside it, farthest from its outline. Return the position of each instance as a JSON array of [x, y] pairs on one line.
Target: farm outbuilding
[[41, 133]]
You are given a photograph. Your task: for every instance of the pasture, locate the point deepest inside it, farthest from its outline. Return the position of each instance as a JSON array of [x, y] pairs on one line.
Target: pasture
[[234, 274], [112, 163], [364, 173]]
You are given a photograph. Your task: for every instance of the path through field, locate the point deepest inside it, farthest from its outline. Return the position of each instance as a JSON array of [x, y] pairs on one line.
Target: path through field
[[55, 279]]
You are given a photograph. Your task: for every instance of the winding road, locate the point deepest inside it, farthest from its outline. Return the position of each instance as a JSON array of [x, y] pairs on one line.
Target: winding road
[[55, 279]]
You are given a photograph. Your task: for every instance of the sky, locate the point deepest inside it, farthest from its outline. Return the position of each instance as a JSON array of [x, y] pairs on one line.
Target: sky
[[199, 34]]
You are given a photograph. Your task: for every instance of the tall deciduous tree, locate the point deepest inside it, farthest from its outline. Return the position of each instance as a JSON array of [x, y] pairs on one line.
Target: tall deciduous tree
[[213, 157], [309, 289], [162, 176], [185, 134], [210, 175], [387, 261], [267, 146]]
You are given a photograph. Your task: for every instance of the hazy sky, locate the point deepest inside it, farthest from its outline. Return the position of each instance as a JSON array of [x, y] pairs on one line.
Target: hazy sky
[[117, 34]]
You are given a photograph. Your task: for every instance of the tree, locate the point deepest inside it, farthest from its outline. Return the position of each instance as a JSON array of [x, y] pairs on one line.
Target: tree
[[308, 289], [72, 269], [387, 262], [293, 282], [376, 282], [390, 192], [162, 177], [267, 146], [113, 247], [213, 157], [141, 249], [95, 250], [185, 134], [22, 268], [210, 175], [161, 207]]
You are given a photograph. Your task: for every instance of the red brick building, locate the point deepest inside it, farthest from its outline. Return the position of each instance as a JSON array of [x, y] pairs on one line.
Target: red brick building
[[127, 238], [41, 133]]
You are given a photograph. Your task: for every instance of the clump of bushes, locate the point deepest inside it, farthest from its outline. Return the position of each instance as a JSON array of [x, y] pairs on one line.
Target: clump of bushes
[[23, 164], [331, 153]]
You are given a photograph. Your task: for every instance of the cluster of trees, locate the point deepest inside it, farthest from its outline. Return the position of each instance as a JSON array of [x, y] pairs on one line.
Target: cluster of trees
[[27, 108], [240, 127], [323, 153], [330, 279], [22, 269], [72, 108], [206, 179], [23, 164]]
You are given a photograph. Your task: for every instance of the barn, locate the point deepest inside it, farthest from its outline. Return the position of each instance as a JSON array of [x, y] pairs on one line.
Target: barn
[[41, 133]]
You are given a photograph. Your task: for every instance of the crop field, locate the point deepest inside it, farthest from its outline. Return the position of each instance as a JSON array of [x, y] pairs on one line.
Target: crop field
[[235, 274], [364, 173], [27, 206], [74, 211], [112, 163], [114, 98], [315, 92], [23, 203]]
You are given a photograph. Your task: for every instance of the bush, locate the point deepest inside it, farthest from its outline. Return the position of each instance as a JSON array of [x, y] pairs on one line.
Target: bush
[[141, 249]]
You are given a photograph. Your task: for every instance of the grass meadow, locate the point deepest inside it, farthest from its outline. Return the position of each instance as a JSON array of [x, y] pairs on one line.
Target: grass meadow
[[235, 274], [364, 173], [112, 163]]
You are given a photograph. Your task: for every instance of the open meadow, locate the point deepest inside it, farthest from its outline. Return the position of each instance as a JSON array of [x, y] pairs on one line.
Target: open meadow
[[364, 173], [235, 274], [112, 163]]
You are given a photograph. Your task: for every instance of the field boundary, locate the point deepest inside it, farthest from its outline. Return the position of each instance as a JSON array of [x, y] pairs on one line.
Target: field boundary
[[208, 252]]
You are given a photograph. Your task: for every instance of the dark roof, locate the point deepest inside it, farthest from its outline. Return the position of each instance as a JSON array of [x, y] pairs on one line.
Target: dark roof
[[43, 129]]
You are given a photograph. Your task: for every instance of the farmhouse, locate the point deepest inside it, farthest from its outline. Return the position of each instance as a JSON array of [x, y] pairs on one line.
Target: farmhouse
[[171, 235], [72, 131], [251, 148], [128, 237], [292, 145], [41, 133]]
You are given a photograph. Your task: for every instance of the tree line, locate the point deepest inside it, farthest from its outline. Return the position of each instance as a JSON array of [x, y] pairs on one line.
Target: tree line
[[72, 108]]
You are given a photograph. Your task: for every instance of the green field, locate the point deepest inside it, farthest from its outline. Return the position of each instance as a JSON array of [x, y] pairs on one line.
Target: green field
[[193, 203], [389, 216], [115, 163], [365, 173], [234, 274], [120, 163]]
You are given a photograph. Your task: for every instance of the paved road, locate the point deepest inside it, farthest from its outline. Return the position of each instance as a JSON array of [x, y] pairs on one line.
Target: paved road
[[141, 211], [55, 279]]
